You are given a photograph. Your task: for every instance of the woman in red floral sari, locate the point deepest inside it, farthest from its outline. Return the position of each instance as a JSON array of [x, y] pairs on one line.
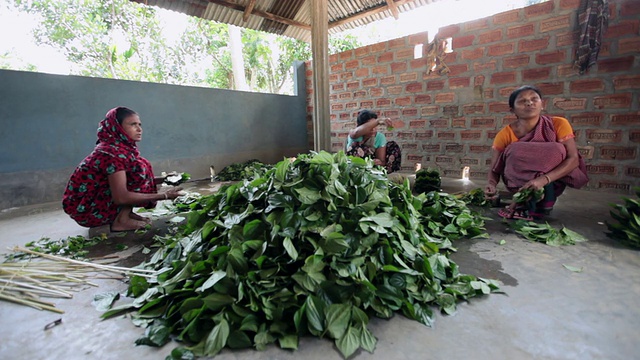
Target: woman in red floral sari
[[114, 178]]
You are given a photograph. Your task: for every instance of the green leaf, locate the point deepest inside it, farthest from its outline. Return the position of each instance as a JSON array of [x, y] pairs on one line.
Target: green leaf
[[308, 196], [349, 342], [502, 242], [572, 268], [212, 280], [289, 342], [217, 301], [315, 315], [338, 317], [239, 340], [290, 248], [367, 340], [217, 339], [103, 302]]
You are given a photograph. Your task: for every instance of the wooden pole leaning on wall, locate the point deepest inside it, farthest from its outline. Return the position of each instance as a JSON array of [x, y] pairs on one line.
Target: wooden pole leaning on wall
[[320, 66]]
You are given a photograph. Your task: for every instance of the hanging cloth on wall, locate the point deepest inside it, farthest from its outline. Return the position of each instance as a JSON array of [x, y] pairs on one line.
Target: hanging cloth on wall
[[593, 18]]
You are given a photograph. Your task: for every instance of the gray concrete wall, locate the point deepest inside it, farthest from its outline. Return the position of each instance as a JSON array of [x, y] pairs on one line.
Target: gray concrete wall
[[49, 125]]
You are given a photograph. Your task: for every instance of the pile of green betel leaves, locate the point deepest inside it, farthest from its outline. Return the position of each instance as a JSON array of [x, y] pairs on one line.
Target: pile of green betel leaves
[[313, 247], [627, 215], [245, 170]]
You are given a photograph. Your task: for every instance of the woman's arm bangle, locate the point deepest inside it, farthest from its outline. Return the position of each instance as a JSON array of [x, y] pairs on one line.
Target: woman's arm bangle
[[548, 179], [165, 196]]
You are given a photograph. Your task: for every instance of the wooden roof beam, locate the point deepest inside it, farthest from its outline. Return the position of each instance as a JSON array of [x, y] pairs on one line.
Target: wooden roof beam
[[262, 14], [394, 9], [363, 14], [248, 10]]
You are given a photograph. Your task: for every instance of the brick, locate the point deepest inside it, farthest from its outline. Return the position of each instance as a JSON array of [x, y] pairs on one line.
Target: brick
[[632, 171], [551, 88], [346, 55], [551, 57], [587, 85], [499, 107], [462, 41], [353, 85], [470, 135], [455, 70], [368, 60], [626, 27], [406, 77], [346, 116], [409, 146], [337, 107], [379, 47], [366, 104], [429, 110], [468, 161], [431, 147], [490, 36], [614, 101], [362, 51], [536, 74], [618, 152], [422, 99], [383, 102], [448, 31], [392, 114], [388, 80], [459, 82], [332, 77], [418, 63], [398, 67], [376, 92], [566, 39], [604, 136], [439, 123], [533, 45], [394, 90], [444, 159], [382, 69], [503, 77], [419, 38], [351, 105], [453, 148], [369, 82], [615, 64], [385, 57], [491, 134], [569, 4], [411, 157], [346, 76], [560, 22], [474, 54], [459, 123], [417, 124], [344, 96], [483, 122], [403, 101], [435, 85], [586, 152], [445, 97], [540, 9], [625, 119], [476, 25], [634, 135], [506, 17], [629, 45], [333, 58], [487, 93], [500, 49], [629, 8], [404, 54], [404, 135], [516, 61], [514, 32], [362, 72], [566, 70], [477, 108], [337, 68], [480, 148], [601, 169], [570, 104], [611, 185], [413, 87], [452, 173], [487, 66], [450, 110], [397, 43], [424, 135], [410, 112], [446, 135], [478, 80], [337, 87], [587, 119]]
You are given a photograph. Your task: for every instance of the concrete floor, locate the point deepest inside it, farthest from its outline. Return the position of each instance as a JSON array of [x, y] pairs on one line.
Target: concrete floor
[[548, 312]]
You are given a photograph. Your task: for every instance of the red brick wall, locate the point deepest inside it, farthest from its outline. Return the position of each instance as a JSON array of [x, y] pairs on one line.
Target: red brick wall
[[449, 121]]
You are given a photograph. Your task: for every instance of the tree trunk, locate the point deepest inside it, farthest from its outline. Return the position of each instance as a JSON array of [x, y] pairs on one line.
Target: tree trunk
[[237, 60]]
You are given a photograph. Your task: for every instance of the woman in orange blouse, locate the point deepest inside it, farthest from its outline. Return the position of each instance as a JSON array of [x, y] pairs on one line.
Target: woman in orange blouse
[[534, 152]]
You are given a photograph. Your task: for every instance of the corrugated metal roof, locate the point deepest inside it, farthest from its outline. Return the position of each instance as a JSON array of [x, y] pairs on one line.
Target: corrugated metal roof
[[231, 12]]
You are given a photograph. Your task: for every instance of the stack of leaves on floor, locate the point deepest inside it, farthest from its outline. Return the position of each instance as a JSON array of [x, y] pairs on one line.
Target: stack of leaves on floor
[[627, 230], [546, 233], [313, 247], [427, 180], [241, 171]]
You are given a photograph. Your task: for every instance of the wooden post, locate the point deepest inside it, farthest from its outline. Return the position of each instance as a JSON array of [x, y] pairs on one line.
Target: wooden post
[[320, 66]]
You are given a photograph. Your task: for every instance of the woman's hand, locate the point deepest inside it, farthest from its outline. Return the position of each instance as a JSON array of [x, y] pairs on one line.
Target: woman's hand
[[490, 192], [173, 193], [377, 162], [386, 121], [535, 184]]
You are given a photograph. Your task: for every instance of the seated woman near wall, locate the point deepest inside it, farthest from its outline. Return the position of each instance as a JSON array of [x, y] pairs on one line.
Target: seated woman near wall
[[114, 178], [534, 152], [366, 141]]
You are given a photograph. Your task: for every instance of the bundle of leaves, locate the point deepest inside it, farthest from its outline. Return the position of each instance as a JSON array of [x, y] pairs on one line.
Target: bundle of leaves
[[526, 195], [546, 233], [427, 180], [447, 217], [475, 197], [241, 171], [314, 247], [175, 178], [627, 230], [73, 247]]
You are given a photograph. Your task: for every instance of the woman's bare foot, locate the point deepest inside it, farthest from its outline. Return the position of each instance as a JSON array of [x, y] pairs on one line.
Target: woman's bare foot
[[124, 222], [135, 216]]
